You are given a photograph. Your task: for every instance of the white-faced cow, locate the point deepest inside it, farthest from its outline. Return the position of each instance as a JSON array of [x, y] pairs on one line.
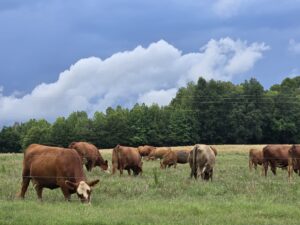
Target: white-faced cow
[[53, 167]]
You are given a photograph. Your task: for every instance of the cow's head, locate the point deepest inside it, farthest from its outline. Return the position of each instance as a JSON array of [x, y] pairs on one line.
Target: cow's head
[[83, 189], [103, 165]]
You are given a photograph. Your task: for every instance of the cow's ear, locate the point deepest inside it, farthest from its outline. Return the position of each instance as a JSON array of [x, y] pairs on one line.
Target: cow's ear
[[93, 183], [71, 185]]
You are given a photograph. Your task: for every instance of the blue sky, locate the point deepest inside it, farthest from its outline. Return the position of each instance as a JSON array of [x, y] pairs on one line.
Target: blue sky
[[223, 39]]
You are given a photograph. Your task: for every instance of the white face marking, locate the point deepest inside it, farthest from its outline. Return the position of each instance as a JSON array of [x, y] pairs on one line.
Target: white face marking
[[83, 189]]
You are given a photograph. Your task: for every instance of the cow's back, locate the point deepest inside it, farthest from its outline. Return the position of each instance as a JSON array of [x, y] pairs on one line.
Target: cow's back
[[45, 161], [159, 152], [206, 156], [129, 155], [145, 150], [276, 154]]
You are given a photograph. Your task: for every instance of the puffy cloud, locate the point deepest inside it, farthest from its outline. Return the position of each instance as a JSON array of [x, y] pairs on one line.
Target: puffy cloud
[[294, 46], [149, 75]]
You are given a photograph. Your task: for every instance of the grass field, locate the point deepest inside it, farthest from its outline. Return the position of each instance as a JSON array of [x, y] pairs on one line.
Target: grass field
[[160, 196]]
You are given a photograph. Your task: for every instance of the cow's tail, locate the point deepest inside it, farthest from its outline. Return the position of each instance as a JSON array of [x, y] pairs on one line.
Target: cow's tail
[[204, 168], [194, 160]]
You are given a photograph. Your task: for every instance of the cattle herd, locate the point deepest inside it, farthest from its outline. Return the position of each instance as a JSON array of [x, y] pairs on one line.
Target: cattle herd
[[56, 167]]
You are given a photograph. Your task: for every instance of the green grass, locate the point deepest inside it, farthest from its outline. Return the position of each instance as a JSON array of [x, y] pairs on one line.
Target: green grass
[[159, 197]]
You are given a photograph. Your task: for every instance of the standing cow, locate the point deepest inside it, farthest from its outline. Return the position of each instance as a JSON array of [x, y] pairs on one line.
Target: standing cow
[[53, 167], [275, 156], [90, 154], [169, 159], [202, 159], [294, 160], [126, 158], [255, 158]]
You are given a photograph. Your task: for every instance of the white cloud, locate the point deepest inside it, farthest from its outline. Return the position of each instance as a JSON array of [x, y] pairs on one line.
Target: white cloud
[[151, 74], [160, 97], [294, 46]]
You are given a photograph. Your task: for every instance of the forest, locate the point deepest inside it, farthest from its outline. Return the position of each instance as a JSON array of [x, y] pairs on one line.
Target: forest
[[211, 112]]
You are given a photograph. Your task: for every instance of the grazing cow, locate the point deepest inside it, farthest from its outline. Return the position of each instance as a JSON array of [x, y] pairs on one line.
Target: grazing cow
[[182, 156], [169, 159], [294, 160], [145, 150], [126, 158], [158, 153], [53, 167], [202, 158], [275, 156], [255, 158], [90, 154]]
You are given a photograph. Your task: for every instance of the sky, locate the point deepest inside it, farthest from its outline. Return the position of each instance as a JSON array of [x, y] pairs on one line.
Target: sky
[[57, 56]]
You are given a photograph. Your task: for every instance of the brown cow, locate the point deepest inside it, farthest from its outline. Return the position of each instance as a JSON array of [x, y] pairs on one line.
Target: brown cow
[[202, 158], [158, 153], [275, 156], [127, 158], [294, 160], [53, 167], [145, 150], [255, 158], [214, 150], [182, 156], [90, 154], [169, 159]]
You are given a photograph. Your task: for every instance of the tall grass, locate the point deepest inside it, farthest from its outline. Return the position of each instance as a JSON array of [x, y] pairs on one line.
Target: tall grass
[[235, 196]]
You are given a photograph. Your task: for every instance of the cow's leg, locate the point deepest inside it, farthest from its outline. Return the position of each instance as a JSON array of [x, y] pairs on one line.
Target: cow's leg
[[273, 168], [266, 165], [89, 165], [114, 168], [129, 172], [25, 183], [175, 164], [211, 174], [66, 193], [121, 170], [191, 174], [250, 165], [39, 191], [255, 166]]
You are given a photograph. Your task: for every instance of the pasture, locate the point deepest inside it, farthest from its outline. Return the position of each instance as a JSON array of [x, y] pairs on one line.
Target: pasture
[[235, 196]]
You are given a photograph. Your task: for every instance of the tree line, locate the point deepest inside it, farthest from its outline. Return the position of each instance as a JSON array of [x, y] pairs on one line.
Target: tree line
[[212, 112]]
